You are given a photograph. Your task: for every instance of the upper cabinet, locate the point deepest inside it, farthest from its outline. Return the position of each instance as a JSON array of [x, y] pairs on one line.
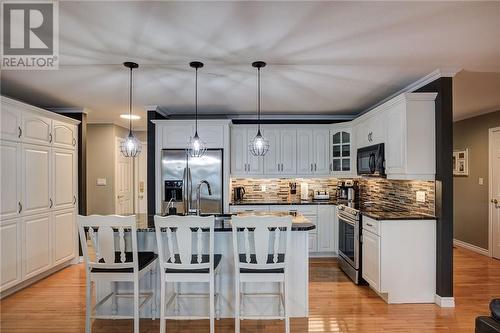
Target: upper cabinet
[[242, 162], [371, 130], [342, 151], [313, 155], [175, 134], [281, 159], [63, 134]]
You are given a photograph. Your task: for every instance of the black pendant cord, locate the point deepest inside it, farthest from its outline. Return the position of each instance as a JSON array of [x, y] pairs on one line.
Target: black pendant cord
[[258, 98], [196, 103], [130, 105]]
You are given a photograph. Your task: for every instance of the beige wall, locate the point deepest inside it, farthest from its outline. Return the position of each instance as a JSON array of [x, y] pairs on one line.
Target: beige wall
[[470, 200], [101, 151]]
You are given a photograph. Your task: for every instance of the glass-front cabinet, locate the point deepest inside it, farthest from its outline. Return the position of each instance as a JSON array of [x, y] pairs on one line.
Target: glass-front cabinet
[[342, 151]]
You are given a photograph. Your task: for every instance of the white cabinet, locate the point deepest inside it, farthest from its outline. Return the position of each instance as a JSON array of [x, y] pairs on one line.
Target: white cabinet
[[313, 153], [63, 135], [36, 178], [10, 253], [177, 137], [242, 162], [399, 259], [10, 189], [326, 228], [281, 159], [64, 233], [313, 243], [248, 208], [10, 122], [371, 129], [37, 249], [371, 259], [36, 129], [63, 178], [175, 134], [342, 151]]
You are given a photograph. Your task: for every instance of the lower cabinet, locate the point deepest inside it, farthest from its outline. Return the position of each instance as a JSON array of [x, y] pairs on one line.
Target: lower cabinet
[[64, 233], [36, 240], [327, 224], [371, 259], [10, 253], [313, 243]]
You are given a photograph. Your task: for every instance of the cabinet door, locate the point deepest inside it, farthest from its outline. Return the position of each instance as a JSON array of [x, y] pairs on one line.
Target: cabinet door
[[248, 208], [304, 151], [63, 178], [212, 135], [36, 241], [36, 178], [239, 150], [177, 136], [10, 191], [313, 243], [321, 158], [63, 135], [288, 151], [342, 152], [10, 122], [395, 144], [272, 159], [325, 229], [64, 235], [255, 163], [36, 129], [10, 254], [371, 259]]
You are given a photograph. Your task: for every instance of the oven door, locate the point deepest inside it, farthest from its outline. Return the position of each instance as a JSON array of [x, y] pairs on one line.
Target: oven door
[[349, 241]]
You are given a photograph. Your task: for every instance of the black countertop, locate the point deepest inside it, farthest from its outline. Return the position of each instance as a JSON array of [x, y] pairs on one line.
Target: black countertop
[[395, 215], [285, 203]]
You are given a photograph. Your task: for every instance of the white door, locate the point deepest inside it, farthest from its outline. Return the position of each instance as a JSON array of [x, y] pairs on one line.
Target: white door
[[10, 189], [272, 158], [63, 178], [123, 182], [36, 240], [304, 151], [288, 153], [371, 259], [64, 233], [239, 150], [141, 178], [321, 151], [10, 253], [36, 179], [495, 190]]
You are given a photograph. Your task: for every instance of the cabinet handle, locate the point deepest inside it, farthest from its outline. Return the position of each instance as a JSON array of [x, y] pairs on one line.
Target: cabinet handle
[[74, 142], [74, 200], [278, 167], [331, 167], [370, 136], [248, 167], [50, 137], [19, 131], [51, 203], [311, 167], [315, 167], [369, 224], [20, 207]]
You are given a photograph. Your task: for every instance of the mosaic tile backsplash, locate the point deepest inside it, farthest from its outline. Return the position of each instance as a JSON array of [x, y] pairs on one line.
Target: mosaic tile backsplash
[[389, 194]]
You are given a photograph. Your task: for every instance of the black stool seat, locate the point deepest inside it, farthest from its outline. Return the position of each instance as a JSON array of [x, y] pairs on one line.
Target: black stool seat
[[194, 260], [144, 258], [270, 260]]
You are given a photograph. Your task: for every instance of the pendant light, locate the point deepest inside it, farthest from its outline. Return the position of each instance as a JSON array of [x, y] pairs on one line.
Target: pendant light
[[130, 146], [258, 146], [196, 147]]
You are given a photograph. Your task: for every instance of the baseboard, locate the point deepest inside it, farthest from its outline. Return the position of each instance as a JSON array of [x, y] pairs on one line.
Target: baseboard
[[444, 302], [322, 255], [34, 279], [471, 247]]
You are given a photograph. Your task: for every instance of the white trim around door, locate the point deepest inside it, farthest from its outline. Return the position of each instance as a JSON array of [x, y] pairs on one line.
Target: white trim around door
[[492, 239], [471, 247]]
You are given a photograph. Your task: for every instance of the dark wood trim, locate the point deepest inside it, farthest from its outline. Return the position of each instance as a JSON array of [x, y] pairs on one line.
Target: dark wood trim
[[444, 183], [151, 165]]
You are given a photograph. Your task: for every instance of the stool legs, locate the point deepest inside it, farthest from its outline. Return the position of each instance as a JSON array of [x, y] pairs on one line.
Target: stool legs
[[136, 305], [212, 304], [88, 307], [287, 315], [162, 305], [237, 306]]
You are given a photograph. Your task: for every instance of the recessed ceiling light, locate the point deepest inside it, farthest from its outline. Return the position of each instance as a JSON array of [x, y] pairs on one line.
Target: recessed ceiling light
[[132, 116]]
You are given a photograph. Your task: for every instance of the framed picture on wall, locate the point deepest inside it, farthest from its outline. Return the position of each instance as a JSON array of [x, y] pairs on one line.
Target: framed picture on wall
[[461, 162]]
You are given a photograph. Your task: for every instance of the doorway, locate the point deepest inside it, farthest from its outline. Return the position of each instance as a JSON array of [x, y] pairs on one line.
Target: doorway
[[494, 216], [123, 182], [140, 180]]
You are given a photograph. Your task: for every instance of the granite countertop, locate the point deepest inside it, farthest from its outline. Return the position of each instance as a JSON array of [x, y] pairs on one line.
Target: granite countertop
[[292, 202], [395, 215], [222, 221]]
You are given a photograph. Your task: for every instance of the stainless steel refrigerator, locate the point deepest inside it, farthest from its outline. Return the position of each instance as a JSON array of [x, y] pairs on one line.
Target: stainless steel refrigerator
[[182, 175]]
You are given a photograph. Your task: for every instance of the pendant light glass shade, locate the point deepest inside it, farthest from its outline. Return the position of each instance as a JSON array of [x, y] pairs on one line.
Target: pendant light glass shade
[[196, 147], [130, 146], [259, 146]]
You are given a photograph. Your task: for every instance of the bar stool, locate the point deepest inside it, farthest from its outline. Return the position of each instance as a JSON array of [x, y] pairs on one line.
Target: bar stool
[[265, 243], [105, 263], [182, 265]]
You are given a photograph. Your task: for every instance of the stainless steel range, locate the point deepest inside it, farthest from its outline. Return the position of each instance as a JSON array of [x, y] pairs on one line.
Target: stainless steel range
[[349, 242]]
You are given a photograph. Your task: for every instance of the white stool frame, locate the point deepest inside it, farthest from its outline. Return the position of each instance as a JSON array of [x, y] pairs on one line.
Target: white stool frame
[[181, 227], [103, 244], [264, 247]]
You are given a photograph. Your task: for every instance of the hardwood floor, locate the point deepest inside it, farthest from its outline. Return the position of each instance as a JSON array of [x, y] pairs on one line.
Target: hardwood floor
[[56, 304]]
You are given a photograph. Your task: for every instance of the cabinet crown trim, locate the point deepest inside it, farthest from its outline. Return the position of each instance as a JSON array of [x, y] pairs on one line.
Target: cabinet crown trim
[[45, 113]]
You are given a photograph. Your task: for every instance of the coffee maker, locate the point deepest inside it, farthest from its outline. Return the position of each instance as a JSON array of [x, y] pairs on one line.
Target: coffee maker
[[348, 190], [239, 192]]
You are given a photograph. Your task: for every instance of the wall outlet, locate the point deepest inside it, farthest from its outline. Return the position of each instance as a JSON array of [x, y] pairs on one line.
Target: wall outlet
[[101, 181], [263, 188], [481, 181], [420, 196]]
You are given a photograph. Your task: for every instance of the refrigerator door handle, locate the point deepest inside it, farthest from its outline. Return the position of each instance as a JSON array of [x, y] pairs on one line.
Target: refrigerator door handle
[[190, 191], [184, 189]]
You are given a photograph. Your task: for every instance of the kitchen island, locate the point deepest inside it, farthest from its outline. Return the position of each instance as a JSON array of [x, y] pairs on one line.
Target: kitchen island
[[298, 275]]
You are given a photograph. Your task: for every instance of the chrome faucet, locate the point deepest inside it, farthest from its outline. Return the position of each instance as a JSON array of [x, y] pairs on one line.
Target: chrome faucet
[[198, 195]]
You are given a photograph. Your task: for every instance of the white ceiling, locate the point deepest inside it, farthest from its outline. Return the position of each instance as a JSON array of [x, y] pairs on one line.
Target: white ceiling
[[324, 57]]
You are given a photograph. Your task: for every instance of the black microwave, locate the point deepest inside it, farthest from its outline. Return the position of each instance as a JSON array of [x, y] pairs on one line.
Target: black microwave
[[371, 161]]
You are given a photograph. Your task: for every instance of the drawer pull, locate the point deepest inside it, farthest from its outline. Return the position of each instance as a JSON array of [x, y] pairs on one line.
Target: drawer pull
[[50, 137], [20, 131], [51, 203], [20, 206], [369, 224]]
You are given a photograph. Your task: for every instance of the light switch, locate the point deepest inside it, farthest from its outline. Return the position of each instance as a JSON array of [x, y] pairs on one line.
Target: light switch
[[101, 181], [263, 188], [481, 181], [420, 196]]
